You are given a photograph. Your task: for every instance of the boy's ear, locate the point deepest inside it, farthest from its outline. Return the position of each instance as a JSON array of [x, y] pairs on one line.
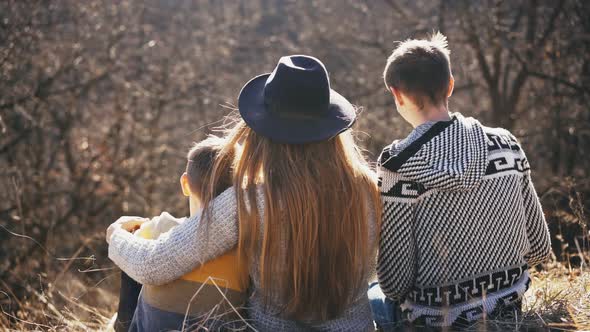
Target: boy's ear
[[186, 189], [397, 94], [451, 86]]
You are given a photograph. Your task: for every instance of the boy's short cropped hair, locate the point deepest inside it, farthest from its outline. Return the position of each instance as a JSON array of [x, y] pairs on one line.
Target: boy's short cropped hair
[[199, 167], [420, 69]]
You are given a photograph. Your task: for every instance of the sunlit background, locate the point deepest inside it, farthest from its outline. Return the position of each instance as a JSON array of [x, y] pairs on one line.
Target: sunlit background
[[99, 101]]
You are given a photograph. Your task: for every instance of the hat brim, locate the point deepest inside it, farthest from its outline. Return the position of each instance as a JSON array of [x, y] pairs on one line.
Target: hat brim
[[340, 116]]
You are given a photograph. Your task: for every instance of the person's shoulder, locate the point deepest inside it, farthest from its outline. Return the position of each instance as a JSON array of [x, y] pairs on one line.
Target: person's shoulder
[[501, 138], [228, 199], [387, 152], [384, 155], [503, 146], [497, 131], [227, 196]]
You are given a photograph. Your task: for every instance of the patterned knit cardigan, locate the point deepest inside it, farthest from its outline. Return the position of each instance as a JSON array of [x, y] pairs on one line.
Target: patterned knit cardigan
[[461, 223]]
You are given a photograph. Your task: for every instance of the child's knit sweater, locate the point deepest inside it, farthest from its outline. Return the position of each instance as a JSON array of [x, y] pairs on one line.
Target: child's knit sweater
[[461, 222], [190, 244]]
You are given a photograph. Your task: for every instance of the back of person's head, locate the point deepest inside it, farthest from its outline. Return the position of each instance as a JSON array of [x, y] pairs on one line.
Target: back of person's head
[[317, 198], [421, 69], [199, 167]]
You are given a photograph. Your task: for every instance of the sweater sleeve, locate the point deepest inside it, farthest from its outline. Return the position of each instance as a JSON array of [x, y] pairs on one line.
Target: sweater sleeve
[[183, 248], [396, 263], [536, 226]]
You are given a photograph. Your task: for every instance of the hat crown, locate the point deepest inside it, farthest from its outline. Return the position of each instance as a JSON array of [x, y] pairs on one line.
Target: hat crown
[[295, 104], [299, 86]]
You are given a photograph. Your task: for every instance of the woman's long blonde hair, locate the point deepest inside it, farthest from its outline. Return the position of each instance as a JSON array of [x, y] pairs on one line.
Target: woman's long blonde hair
[[317, 203]]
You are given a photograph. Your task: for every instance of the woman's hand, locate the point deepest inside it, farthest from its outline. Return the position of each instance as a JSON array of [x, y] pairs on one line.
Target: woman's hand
[[128, 223]]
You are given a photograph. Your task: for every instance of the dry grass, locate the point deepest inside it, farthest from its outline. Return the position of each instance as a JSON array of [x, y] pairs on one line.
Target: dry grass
[[70, 305], [559, 299]]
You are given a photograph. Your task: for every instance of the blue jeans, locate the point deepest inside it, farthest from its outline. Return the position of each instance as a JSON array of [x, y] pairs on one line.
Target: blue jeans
[[387, 313], [128, 296]]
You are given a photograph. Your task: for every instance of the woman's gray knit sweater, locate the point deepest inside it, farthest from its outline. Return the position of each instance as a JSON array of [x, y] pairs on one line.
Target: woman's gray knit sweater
[[191, 243]]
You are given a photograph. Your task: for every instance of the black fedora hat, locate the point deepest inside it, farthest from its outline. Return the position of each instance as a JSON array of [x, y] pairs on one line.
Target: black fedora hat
[[295, 104]]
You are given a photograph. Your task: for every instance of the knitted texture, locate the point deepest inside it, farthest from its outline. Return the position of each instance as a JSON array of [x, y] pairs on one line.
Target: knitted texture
[[189, 244], [461, 221], [398, 145], [180, 250]]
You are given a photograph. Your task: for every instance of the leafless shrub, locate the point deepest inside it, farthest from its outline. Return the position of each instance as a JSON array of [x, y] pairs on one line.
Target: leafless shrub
[[100, 99]]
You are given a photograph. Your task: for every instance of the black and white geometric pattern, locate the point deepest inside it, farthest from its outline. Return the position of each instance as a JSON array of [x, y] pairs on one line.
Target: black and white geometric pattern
[[458, 209], [462, 316], [463, 291]]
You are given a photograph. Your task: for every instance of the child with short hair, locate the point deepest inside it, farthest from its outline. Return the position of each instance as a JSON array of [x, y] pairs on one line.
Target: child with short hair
[[195, 300], [461, 219]]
